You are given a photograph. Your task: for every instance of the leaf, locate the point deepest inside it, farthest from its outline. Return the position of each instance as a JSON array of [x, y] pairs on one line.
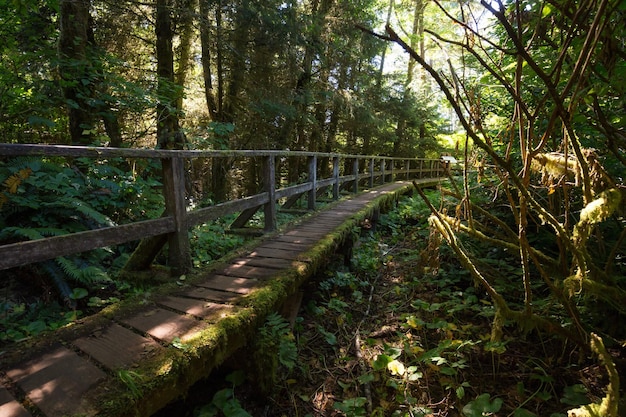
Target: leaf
[[366, 378], [575, 395], [546, 11], [40, 121], [12, 183], [396, 367], [79, 293], [35, 327], [522, 412], [331, 339], [414, 322], [236, 378], [381, 362], [482, 406]]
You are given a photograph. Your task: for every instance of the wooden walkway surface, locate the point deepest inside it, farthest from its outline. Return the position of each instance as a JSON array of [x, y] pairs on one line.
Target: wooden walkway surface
[[134, 360]]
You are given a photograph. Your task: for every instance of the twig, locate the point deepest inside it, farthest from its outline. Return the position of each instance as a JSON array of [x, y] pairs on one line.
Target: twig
[[367, 389]]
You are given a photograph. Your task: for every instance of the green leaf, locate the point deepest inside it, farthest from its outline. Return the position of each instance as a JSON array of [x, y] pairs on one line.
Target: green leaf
[[79, 293], [35, 327], [236, 378], [522, 412], [40, 121], [381, 361], [575, 395], [546, 11], [366, 378], [482, 406]]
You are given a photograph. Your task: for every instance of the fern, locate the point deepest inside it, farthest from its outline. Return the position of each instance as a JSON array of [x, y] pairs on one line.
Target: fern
[[276, 335], [83, 208], [58, 279], [30, 233]]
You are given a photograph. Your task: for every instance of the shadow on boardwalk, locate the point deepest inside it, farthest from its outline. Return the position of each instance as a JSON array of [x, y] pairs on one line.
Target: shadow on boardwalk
[[133, 359]]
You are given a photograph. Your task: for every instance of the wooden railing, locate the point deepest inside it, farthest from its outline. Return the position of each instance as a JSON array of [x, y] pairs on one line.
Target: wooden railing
[[178, 218]]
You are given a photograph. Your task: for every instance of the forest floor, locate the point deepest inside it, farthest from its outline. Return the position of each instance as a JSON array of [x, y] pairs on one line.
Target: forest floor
[[401, 332]]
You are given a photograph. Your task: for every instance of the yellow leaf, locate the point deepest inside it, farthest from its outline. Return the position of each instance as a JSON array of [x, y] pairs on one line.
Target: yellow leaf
[[25, 173], [413, 322], [416, 350], [396, 367], [12, 183]]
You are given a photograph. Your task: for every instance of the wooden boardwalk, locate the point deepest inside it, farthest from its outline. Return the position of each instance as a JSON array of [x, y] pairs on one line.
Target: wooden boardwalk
[[134, 359]]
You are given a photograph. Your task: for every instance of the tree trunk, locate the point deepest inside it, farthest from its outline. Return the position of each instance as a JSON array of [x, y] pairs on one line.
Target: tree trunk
[[169, 135], [187, 12], [74, 67], [418, 28], [205, 42]]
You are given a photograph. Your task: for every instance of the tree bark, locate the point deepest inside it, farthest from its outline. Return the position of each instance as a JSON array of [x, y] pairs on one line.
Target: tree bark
[[169, 135], [74, 67]]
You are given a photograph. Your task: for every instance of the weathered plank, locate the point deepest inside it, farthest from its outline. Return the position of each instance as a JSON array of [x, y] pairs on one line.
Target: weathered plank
[[10, 407], [53, 390], [164, 325], [23, 253], [205, 310], [116, 347]]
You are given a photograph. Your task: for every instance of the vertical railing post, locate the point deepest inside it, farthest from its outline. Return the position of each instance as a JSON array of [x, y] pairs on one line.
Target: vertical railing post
[[393, 167], [176, 207], [419, 173], [313, 181], [355, 171], [383, 164], [407, 167], [372, 163], [269, 176], [335, 178]]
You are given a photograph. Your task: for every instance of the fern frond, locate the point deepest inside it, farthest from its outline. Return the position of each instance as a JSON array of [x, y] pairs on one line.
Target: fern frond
[[82, 207], [81, 272], [69, 268], [93, 274], [30, 233], [59, 281], [24, 162]]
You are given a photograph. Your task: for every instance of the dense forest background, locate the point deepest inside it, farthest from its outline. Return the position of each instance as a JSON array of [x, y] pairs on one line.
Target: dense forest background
[[222, 75], [529, 94]]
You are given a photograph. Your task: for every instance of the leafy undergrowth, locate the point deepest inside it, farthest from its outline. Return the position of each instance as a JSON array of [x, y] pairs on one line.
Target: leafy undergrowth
[[404, 332]]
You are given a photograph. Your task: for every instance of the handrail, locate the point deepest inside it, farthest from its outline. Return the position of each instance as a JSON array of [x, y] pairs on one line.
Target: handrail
[[178, 219]]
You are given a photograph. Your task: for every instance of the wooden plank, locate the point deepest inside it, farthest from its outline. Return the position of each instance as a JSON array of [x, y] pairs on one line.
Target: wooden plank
[[23, 253], [14, 149], [247, 271], [116, 347], [297, 247], [312, 163], [276, 253], [165, 325], [206, 214], [275, 263], [206, 310], [57, 381], [230, 284], [269, 180], [203, 293], [9, 407], [179, 253], [294, 191]]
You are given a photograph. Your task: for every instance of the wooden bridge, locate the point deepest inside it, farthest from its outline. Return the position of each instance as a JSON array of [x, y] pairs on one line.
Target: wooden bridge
[[134, 358]]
